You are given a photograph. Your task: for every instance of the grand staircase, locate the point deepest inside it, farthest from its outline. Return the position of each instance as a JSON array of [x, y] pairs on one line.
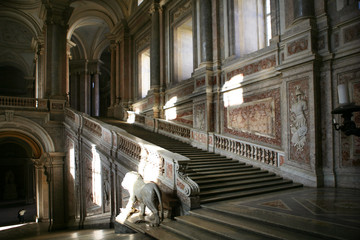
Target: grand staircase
[[223, 183], [219, 177]]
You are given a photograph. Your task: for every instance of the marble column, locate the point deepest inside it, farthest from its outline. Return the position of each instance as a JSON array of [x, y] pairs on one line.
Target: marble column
[[303, 9], [206, 31], [113, 75], [124, 67], [206, 49], [74, 89], [38, 46], [42, 191], [155, 45], [54, 170], [57, 15], [95, 95], [117, 74], [155, 11], [84, 90]]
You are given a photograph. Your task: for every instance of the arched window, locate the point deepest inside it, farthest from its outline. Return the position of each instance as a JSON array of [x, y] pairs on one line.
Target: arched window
[[144, 72], [252, 25], [183, 50]]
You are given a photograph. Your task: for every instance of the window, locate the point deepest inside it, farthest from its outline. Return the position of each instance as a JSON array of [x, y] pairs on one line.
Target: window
[[267, 22], [139, 2], [144, 72], [252, 25], [183, 50]]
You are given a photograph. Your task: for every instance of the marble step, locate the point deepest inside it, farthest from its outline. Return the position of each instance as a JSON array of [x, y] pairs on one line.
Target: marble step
[[214, 164], [266, 229], [188, 150], [209, 158], [191, 231], [239, 182], [248, 171], [218, 191], [209, 167], [192, 172], [190, 225], [203, 154], [248, 192], [154, 232], [234, 178], [298, 224]]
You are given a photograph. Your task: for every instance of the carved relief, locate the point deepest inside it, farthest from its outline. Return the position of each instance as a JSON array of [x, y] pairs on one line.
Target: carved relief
[[9, 115], [298, 123], [352, 33], [256, 117], [143, 42], [298, 46], [106, 188], [199, 115], [182, 10]]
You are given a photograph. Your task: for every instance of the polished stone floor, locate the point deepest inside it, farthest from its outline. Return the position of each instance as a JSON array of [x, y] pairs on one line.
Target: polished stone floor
[[323, 209]]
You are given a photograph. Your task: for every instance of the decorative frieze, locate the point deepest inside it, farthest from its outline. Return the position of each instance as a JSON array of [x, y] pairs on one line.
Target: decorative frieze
[[297, 46], [92, 127], [352, 33], [184, 9], [254, 67]]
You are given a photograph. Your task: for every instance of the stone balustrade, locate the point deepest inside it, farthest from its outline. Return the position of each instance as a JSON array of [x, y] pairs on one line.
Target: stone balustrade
[[152, 162], [21, 102], [231, 147]]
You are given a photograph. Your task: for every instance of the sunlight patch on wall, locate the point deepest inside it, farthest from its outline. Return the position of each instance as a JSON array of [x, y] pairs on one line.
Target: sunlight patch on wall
[[170, 110], [96, 177], [131, 117], [234, 97], [72, 162], [150, 163]]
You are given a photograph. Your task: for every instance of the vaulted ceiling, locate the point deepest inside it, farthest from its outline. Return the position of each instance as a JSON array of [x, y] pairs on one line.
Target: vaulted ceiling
[[91, 22]]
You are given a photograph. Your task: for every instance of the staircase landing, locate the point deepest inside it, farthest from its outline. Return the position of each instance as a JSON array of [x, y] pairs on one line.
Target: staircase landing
[[304, 213]]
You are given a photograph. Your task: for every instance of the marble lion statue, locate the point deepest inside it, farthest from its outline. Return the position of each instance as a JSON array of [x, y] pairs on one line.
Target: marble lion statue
[[146, 194]]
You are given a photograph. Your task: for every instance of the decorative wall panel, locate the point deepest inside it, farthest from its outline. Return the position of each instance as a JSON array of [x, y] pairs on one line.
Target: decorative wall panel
[[298, 120], [257, 118]]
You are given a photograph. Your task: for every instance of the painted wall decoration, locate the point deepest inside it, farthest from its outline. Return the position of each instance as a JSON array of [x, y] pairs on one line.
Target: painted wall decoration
[[255, 117], [258, 118], [298, 115], [184, 117]]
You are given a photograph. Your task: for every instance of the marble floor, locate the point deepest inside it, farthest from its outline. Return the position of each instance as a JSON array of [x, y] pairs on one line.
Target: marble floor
[[324, 209]]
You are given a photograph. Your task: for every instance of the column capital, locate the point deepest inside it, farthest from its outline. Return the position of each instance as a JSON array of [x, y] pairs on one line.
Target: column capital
[[58, 12], [154, 7]]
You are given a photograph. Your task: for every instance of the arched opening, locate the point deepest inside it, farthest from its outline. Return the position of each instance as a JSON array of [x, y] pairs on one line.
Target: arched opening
[[18, 184]]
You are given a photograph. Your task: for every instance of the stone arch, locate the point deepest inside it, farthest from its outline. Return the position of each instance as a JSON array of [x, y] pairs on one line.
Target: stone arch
[[41, 143]]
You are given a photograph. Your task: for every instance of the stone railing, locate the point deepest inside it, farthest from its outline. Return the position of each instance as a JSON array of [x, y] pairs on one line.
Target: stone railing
[[214, 142], [246, 150], [20, 102], [153, 162]]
